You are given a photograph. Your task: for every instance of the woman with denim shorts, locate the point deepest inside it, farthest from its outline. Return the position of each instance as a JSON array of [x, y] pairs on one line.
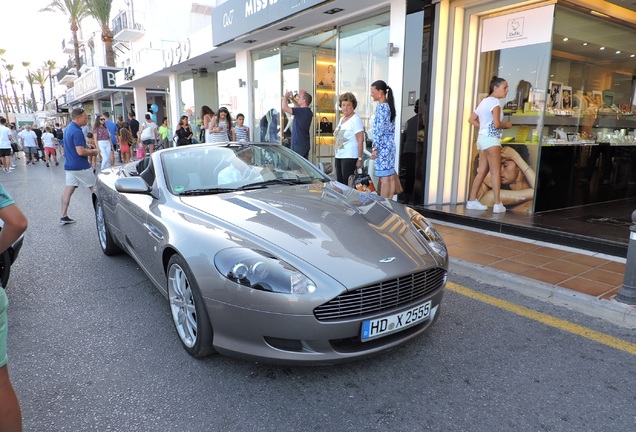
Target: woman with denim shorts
[[488, 117]]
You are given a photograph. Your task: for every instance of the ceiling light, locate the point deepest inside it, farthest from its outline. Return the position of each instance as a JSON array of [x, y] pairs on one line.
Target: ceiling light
[[566, 39], [618, 52], [633, 55], [333, 11], [584, 43], [599, 14], [602, 48]]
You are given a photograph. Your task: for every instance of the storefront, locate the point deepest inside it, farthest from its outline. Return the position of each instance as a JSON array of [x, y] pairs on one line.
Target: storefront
[[571, 69], [327, 49]]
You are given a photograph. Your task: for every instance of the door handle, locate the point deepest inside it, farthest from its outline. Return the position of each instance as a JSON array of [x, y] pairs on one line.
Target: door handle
[[154, 232]]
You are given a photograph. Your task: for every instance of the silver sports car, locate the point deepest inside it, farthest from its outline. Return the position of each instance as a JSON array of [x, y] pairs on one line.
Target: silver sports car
[[263, 256]]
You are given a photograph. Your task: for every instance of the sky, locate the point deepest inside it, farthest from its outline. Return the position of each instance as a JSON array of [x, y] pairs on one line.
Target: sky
[[29, 35]]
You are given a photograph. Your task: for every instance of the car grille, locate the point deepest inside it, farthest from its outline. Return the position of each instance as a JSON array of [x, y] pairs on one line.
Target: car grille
[[383, 296]]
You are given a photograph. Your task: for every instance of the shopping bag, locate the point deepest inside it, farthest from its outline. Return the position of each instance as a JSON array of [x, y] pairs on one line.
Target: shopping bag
[[326, 103]]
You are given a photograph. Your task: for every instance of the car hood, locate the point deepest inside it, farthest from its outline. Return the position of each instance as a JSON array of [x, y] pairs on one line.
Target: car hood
[[353, 237]]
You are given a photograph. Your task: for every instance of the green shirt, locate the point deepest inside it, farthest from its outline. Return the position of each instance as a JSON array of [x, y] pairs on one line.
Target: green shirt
[[163, 131]]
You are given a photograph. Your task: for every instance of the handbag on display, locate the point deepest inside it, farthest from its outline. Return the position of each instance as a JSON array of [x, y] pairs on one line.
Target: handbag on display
[[326, 103], [325, 125], [361, 181]]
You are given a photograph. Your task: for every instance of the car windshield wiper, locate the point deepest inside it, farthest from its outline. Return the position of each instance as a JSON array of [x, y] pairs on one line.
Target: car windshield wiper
[[287, 181], [206, 191]]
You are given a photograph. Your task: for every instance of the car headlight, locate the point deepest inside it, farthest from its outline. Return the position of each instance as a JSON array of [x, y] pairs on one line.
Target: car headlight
[[262, 271], [430, 234]]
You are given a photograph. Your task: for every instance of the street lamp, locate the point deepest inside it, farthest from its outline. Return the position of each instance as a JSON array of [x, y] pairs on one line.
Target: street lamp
[[26, 110]]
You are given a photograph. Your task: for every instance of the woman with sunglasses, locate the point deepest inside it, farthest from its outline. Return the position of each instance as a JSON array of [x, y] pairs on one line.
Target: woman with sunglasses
[[220, 126], [102, 136]]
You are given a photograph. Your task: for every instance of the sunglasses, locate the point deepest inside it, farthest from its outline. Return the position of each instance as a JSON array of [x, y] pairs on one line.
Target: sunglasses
[[102, 119]]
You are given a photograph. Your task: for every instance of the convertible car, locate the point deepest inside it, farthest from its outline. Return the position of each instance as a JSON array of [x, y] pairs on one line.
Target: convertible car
[[262, 256]]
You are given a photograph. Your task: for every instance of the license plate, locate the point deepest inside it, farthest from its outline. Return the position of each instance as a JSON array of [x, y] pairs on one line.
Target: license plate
[[376, 328]]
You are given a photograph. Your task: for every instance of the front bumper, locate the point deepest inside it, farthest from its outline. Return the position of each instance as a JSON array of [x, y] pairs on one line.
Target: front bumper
[[302, 339]]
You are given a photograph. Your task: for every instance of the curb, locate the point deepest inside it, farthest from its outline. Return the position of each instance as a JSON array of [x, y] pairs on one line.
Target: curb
[[609, 310]]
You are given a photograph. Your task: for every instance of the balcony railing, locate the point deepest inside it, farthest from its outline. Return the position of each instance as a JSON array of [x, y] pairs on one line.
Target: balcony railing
[[128, 25]]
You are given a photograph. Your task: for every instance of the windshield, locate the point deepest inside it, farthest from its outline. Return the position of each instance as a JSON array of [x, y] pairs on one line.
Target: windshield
[[208, 169]]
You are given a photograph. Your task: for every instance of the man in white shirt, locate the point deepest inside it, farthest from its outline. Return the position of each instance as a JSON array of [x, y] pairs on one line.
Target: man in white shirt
[[29, 144], [5, 145]]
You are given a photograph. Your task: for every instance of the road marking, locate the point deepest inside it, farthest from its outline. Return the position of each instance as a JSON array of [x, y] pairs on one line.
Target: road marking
[[576, 329]]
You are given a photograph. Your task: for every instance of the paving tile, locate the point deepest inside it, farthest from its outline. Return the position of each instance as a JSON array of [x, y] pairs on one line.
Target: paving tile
[[566, 267], [545, 275], [550, 252], [586, 286], [480, 258], [522, 246], [608, 295], [456, 251], [610, 278], [532, 259], [512, 267], [472, 244], [614, 266], [451, 239], [586, 260], [500, 251]]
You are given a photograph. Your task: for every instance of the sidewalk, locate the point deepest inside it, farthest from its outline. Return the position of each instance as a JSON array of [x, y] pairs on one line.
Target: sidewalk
[[574, 278]]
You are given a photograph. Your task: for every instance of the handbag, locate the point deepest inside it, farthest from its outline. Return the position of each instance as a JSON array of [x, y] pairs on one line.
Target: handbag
[[362, 181], [325, 125], [326, 103]]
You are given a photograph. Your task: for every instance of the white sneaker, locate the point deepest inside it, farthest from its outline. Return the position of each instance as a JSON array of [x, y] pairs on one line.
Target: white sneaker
[[475, 205], [498, 208]]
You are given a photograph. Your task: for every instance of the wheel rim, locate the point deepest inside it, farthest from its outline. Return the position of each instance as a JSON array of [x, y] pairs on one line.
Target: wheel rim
[[101, 225], [182, 305]]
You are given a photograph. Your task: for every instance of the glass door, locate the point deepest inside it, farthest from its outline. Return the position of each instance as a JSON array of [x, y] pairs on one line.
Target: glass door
[[267, 95]]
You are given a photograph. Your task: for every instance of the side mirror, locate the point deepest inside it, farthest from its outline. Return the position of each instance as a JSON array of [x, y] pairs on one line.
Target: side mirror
[[135, 185]]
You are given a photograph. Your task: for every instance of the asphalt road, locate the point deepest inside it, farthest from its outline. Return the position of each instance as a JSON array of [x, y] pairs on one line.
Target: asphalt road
[[92, 348]]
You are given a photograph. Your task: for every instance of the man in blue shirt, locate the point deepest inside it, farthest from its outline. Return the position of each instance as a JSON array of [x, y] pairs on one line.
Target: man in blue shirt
[[114, 136], [78, 169], [303, 116]]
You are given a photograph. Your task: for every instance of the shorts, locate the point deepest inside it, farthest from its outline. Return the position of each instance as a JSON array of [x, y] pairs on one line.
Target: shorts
[[81, 177], [49, 151], [485, 142], [148, 142], [4, 327], [5, 152], [31, 151]]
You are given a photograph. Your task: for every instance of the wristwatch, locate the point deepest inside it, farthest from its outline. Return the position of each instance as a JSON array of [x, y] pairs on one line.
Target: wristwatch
[[359, 158]]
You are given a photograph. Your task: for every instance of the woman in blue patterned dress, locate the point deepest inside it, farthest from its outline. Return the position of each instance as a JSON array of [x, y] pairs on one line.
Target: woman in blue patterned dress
[[383, 138]]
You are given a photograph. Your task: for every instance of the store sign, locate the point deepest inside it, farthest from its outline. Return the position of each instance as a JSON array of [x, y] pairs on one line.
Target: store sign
[[97, 79], [238, 17], [528, 27]]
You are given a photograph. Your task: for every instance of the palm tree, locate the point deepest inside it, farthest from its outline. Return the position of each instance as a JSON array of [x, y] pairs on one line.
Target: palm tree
[[100, 10], [50, 65], [30, 80], [32, 104], [3, 96], [40, 78], [9, 68], [76, 11]]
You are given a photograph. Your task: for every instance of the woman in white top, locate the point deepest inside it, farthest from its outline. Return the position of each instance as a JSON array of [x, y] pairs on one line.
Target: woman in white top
[[206, 117], [488, 117], [349, 138], [220, 126], [148, 133]]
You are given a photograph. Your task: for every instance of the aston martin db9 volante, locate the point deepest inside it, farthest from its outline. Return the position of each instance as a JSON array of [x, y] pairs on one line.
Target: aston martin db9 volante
[[263, 256]]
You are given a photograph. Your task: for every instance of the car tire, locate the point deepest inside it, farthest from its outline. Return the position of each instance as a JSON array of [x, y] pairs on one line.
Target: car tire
[[5, 268], [187, 309], [106, 242]]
